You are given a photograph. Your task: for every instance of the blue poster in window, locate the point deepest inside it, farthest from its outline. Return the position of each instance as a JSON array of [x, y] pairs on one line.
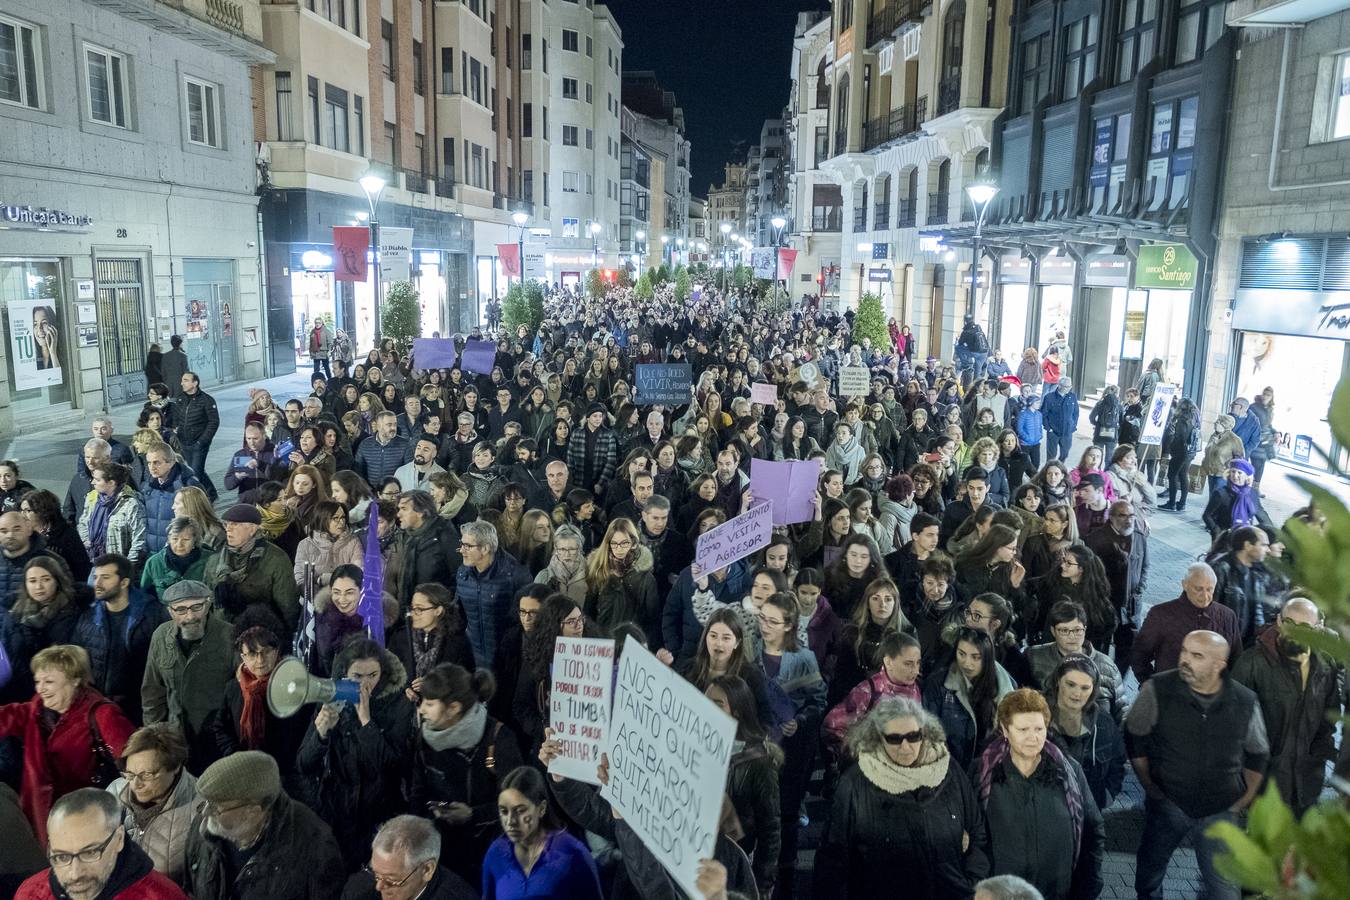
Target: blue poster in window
[[1101, 152]]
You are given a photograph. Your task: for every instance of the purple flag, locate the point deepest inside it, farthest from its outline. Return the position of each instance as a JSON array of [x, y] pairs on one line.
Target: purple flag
[[479, 357], [433, 353], [791, 485], [371, 607]]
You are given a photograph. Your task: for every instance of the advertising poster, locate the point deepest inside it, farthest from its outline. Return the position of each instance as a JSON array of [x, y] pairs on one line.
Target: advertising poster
[[395, 253], [35, 343]]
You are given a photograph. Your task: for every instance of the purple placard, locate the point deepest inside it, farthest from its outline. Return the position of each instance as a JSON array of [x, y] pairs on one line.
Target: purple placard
[[735, 539], [790, 485], [434, 353], [764, 393], [479, 356]]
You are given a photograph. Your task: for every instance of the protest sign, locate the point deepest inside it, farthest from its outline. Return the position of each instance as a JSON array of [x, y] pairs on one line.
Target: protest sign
[[664, 383], [583, 673], [1159, 409], [479, 356], [809, 373], [668, 757], [791, 487], [433, 353], [764, 393], [735, 539], [854, 381]]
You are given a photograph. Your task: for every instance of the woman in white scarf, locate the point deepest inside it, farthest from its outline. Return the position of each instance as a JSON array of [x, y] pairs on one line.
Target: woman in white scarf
[[845, 453]]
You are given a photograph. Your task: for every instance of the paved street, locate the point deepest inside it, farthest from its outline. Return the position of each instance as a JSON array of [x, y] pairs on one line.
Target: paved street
[[48, 458]]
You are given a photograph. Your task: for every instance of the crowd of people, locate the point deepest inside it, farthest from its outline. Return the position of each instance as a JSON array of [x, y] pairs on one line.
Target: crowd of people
[[941, 651]]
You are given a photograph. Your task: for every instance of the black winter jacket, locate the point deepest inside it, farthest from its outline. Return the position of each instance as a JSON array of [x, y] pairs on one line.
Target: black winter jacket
[[197, 417]]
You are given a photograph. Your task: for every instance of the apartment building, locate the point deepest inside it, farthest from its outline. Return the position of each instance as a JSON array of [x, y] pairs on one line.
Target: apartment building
[[815, 203], [128, 211], [658, 125], [914, 91], [636, 235], [766, 190], [726, 206]]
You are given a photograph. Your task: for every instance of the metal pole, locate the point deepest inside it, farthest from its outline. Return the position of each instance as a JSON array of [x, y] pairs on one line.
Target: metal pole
[[379, 283], [520, 259]]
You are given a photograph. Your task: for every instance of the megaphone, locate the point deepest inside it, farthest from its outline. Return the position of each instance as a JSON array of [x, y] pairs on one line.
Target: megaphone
[[291, 687]]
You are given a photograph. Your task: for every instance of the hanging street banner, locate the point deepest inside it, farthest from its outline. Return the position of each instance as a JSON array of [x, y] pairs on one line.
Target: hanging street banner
[[579, 705], [1165, 266], [762, 261], [395, 253], [509, 254], [351, 244], [787, 258]]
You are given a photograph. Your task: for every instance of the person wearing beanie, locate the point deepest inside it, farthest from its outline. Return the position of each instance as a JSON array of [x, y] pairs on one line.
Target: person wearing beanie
[[251, 572], [593, 452], [1236, 503], [190, 660], [255, 842], [1222, 448]]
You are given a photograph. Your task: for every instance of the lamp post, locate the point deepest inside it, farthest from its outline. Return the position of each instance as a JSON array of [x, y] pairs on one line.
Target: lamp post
[[373, 185], [639, 249], [595, 229], [665, 242], [981, 193], [725, 228], [778, 223], [520, 218]]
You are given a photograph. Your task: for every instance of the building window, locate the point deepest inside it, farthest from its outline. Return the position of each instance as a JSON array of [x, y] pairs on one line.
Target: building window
[[359, 111], [822, 145], [845, 16], [526, 56], [569, 88], [284, 110], [1340, 98], [420, 147], [1080, 55], [20, 63], [569, 135], [527, 120], [447, 70], [589, 93], [590, 46], [570, 227], [419, 76], [316, 131], [391, 138], [509, 43], [569, 182], [570, 41], [590, 139], [478, 170], [203, 113], [106, 83], [1134, 40], [1199, 25], [387, 47], [527, 185], [1035, 72], [335, 118], [475, 80], [543, 54]]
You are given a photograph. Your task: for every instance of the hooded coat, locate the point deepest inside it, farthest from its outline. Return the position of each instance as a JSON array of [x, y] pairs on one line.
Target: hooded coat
[[356, 770], [632, 597], [132, 878], [126, 534], [158, 499]]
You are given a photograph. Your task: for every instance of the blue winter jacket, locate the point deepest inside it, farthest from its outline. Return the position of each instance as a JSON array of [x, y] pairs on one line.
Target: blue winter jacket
[[1030, 427], [489, 601], [376, 462], [94, 634], [1249, 429], [1060, 412], [680, 627], [158, 499]]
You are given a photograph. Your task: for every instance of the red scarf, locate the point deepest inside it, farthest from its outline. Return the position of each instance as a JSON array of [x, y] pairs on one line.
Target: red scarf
[[253, 718]]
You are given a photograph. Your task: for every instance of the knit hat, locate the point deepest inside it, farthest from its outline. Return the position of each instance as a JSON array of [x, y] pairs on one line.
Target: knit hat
[[1242, 466], [595, 408], [243, 512], [249, 776], [1093, 479], [184, 590]]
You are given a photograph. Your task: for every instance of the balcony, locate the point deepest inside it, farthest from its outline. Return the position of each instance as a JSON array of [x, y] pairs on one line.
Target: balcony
[[949, 94], [881, 216], [904, 213], [445, 187], [414, 182], [829, 220], [937, 208], [887, 21], [899, 124], [860, 219]]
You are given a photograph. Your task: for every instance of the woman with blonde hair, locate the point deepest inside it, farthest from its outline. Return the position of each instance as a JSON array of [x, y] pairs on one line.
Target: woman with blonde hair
[[620, 586], [305, 488], [1029, 369], [452, 498], [192, 503], [534, 540]]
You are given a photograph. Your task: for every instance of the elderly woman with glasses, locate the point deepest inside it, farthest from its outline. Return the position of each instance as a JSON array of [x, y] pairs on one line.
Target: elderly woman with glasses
[[158, 795], [906, 811]]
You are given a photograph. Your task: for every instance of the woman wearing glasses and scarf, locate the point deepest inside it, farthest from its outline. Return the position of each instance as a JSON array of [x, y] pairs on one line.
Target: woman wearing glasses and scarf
[[905, 810]]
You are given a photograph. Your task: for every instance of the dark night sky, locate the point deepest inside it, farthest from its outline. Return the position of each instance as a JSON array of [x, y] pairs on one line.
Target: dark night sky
[[726, 61]]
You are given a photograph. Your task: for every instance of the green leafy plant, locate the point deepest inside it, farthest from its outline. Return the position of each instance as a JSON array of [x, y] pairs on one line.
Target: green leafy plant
[[623, 277], [644, 290], [870, 321], [684, 285], [595, 284], [660, 275], [523, 305], [401, 314], [1277, 855]]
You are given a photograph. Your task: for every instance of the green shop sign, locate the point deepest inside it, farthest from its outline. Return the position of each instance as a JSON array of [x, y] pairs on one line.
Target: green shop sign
[[1167, 266]]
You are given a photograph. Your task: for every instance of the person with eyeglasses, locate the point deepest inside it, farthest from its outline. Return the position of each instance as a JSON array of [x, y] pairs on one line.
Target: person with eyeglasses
[[559, 616], [190, 660], [620, 586], [905, 818], [486, 586], [404, 865], [91, 857], [1066, 626], [159, 796], [254, 841], [1044, 824]]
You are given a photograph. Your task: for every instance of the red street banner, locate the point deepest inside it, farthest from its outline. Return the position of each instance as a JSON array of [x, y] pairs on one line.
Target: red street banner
[[509, 254], [786, 259], [350, 245]]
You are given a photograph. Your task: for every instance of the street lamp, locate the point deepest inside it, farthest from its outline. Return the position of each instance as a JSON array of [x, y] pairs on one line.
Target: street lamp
[[595, 228], [639, 251], [520, 218], [778, 223], [373, 185], [981, 194], [725, 228]]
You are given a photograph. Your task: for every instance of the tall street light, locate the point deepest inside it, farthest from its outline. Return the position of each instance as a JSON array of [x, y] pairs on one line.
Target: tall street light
[[725, 228], [778, 223], [520, 218], [981, 193], [373, 185], [596, 228], [639, 249]]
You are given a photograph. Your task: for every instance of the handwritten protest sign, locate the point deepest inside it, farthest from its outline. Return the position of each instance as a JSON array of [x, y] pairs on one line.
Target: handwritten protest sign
[[791, 486], [735, 539], [854, 381], [583, 672], [668, 757], [434, 353], [479, 356], [664, 383], [764, 393]]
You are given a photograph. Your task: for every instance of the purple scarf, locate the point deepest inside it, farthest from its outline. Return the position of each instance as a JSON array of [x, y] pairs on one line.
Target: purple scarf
[[1244, 504], [998, 750], [98, 524]]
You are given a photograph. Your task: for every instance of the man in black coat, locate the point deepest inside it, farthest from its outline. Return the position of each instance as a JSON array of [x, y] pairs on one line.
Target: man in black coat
[[671, 551], [430, 548], [1123, 550], [1241, 580], [198, 421], [405, 856]]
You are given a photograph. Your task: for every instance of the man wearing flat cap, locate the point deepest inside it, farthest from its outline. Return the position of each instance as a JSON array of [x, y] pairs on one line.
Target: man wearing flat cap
[[250, 569], [191, 659], [253, 842]]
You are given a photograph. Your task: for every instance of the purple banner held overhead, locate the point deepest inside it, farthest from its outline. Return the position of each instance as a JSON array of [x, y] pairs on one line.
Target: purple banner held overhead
[[736, 539], [371, 605], [479, 356], [790, 485], [434, 353]]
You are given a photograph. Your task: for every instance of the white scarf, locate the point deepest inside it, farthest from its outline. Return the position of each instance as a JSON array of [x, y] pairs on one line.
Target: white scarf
[[463, 735], [877, 767]]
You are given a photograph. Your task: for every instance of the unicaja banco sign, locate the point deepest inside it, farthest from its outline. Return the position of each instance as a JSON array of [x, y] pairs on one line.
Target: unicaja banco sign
[[42, 217], [1166, 266]]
